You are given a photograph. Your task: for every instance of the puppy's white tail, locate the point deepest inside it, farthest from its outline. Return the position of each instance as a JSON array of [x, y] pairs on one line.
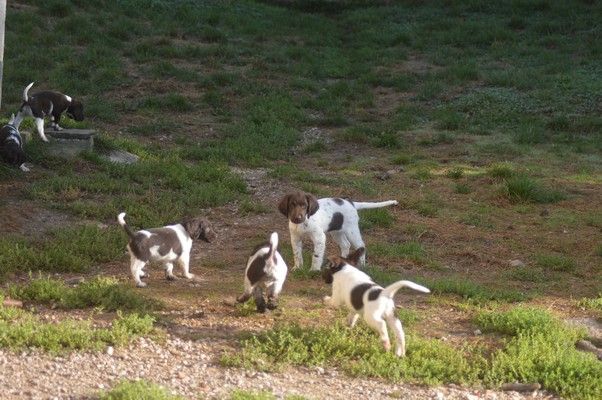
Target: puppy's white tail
[[121, 220], [362, 206], [273, 244], [390, 290], [25, 96]]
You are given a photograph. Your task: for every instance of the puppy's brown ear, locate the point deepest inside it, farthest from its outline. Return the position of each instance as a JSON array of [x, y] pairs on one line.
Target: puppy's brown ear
[[312, 204], [354, 257], [283, 205]]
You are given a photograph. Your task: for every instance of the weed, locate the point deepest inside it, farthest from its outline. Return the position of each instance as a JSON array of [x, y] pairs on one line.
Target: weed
[[455, 173], [378, 217], [527, 274], [594, 304], [462, 188], [358, 352], [473, 291], [100, 292], [501, 171], [524, 189], [406, 251], [20, 329], [555, 262], [133, 390]]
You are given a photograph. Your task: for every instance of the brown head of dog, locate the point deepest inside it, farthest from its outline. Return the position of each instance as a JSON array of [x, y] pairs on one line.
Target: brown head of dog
[[298, 206], [336, 263], [75, 111], [199, 228]]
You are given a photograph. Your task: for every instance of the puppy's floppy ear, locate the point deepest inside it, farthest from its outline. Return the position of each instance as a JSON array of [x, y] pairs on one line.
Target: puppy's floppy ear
[[354, 257], [283, 205], [312, 204]]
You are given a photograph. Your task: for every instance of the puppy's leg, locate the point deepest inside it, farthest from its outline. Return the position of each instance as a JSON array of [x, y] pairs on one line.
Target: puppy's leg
[[40, 128], [18, 119], [355, 237], [378, 324], [342, 241], [352, 319], [319, 248], [246, 295], [273, 291], [56, 122], [184, 262], [169, 272], [136, 266], [297, 245], [259, 300], [395, 326]]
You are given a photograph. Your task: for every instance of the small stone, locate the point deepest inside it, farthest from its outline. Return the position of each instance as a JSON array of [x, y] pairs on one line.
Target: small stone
[[319, 370], [517, 263], [544, 213], [478, 332], [110, 350]]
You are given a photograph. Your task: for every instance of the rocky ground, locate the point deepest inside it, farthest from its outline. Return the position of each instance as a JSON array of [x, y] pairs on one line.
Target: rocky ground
[[191, 369]]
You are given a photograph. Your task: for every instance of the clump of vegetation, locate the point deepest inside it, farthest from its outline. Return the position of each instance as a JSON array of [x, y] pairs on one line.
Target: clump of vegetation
[[408, 251], [501, 171], [541, 349], [20, 329], [105, 293], [135, 390], [473, 291], [63, 250], [455, 173], [376, 217], [555, 262], [524, 189], [358, 352]]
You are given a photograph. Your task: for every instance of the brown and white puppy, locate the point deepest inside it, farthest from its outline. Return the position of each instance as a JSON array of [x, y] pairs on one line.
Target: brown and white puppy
[[11, 145], [315, 218], [48, 103], [169, 244], [356, 290], [266, 270]]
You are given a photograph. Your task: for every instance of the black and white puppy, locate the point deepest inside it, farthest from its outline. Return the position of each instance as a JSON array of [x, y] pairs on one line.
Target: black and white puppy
[[308, 216], [48, 103], [11, 145], [267, 270], [356, 290], [169, 244]]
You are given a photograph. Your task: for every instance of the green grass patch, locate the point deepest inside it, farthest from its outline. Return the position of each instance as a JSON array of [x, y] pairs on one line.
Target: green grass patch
[[541, 349], [411, 250], [20, 330], [377, 217], [555, 262], [594, 304], [525, 189], [138, 390], [104, 293], [358, 352], [527, 274], [473, 291], [63, 250]]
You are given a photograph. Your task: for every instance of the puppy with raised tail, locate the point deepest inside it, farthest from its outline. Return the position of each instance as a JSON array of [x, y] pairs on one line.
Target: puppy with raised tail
[[11, 145], [266, 270], [166, 245], [308, 216], [48, 103], [356, 290]]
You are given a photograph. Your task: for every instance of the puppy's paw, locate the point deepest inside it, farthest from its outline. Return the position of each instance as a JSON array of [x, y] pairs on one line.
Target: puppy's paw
[[170, 277], [326, 300], [141, 284], [24, 168], [189, 276]]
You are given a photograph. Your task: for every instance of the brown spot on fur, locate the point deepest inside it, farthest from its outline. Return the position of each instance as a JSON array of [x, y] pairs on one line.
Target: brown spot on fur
[[336, 223]]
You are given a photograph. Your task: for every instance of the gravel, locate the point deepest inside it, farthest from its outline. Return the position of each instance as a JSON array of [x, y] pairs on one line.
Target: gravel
[[191, 369]]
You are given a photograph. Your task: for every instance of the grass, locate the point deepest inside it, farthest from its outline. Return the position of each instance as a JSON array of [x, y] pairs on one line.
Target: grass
[[541, 349], [134, 390], [65, 250], [525, 189], [103, 293], [377, 217], [473, 291], [412, 251], [21, 329], [357, 352], [555, 262], [593, 304]]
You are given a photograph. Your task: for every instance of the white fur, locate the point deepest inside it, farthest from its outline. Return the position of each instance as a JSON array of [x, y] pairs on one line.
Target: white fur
[[69, 99], [137, 265], [377, 313], [275, 271], [316, 226]]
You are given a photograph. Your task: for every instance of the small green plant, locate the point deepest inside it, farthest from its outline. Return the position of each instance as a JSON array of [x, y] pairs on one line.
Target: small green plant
[[462, 188], [455, 173], [102, 292], [377, 217], [408, 251], [501, 171], [473, 291], [138, 390], [20, 329], [594, 304], [555, 262], [527, 274], [524, 189]]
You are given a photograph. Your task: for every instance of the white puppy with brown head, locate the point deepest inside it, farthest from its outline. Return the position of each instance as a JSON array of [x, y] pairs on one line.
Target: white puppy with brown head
[[166, 245], [266, 270], [356, 290]]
